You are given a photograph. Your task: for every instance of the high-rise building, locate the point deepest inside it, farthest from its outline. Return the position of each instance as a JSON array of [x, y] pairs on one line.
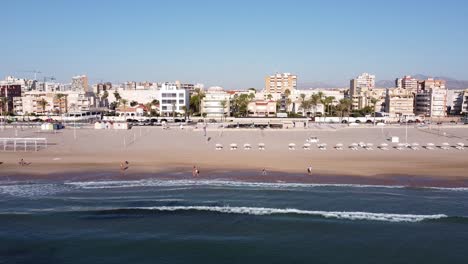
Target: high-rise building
[[280, 82], [80, 83], [431, 98], [360, 90], [409, 83]]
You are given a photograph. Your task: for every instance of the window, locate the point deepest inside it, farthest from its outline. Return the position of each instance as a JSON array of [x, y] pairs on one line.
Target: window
[[181, 101]]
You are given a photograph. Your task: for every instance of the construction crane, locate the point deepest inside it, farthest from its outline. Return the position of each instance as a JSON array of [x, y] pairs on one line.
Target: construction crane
[[35, 73]]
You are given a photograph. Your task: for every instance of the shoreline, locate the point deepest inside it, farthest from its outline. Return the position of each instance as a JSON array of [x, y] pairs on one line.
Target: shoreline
[[242, 176]]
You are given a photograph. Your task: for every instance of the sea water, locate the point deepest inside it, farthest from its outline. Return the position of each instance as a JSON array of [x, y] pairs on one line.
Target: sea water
[[219, 221]]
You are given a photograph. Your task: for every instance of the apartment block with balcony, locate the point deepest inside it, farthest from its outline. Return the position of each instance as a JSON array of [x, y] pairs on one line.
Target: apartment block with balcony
[[172, 99], [360, 90], [399, 102], [280, 82], [215, 104]]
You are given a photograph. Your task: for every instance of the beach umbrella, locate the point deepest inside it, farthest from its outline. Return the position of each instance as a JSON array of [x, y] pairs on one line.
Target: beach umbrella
[[219, 146], [247, 146], [292, 146], [261, 146], [461, 144]]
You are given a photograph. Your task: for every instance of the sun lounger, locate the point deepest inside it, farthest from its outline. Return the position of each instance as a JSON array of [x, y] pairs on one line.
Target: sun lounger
[[383, 146], [306, 146], [430, 146], [261, 146], [400, 146], [322, 146], [353, 146], [219, 147], [247, 147], [339, 146], [445, 146], [369, 146], [460, 146], [233, 146], [292, 146]]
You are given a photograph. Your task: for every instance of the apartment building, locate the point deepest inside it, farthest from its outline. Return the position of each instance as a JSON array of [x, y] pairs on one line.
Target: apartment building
[[399, 102], [431, 98], [408, 83], [215, 104], [80, 83], [9, 91], [280, 82], [172, 99], [360, 90], [39, 102]]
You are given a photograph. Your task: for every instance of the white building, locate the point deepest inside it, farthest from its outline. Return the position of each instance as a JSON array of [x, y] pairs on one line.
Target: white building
[[360, 89], [212, 103], [431, 103], [80, 83], [172, 99]]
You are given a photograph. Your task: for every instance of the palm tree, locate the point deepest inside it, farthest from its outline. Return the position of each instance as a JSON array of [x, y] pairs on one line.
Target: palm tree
[[3, 103], [223, 105], [43, 103], [60, 98], [327, 101], [124, 103], [117, 96], [173, 109], [304, 104], [374, 102], [314, 101], [269, 97]]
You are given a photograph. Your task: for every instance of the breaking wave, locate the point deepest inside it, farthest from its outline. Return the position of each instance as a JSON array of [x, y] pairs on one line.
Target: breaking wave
[[256, 211], [225, 183]]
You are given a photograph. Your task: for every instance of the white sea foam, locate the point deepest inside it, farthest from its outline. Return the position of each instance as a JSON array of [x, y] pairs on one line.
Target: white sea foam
[[233, 184], [384, 217], [259, 211], [31, 190], [212, 183]]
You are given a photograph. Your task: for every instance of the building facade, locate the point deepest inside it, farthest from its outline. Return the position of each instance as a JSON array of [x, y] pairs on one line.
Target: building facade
[[9, 92], [216, 102], [280, 82], [262, 109], [360, 89], [80, 83], [172, 99], [431, 98], [399, 102]]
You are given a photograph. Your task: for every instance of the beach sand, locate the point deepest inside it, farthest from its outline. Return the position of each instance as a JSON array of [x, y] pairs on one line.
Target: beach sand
[[151, 150]]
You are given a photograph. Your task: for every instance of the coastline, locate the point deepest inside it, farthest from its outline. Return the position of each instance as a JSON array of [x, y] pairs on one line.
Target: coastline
[[153, 152]]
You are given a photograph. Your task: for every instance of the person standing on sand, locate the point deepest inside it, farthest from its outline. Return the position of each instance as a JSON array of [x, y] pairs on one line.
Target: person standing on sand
[[195, 171], [124, 166], [309, 170], [264, 172]]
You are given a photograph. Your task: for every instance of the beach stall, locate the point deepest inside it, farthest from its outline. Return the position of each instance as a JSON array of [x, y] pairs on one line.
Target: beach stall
[[47, 127]]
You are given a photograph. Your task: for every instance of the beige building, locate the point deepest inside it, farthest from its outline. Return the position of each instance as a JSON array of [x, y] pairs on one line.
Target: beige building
[[360, 90], [80, 83], [399, 102], [262, 108], [431, 98], [280, 82], [53, 102]]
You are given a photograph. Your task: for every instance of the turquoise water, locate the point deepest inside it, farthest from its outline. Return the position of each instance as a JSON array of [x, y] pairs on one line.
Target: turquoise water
[[210, 221]]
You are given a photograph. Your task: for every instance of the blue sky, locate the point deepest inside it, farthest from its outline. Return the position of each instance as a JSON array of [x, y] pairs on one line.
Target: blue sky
[[233, 43]]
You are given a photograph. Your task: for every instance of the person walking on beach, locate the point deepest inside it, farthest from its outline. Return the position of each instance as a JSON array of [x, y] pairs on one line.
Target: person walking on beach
[[309, 170], [264, 172], [195, 171], [124, 166]]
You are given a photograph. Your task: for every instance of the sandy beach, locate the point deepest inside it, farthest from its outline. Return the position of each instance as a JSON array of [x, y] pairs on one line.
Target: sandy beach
[[152, 150]]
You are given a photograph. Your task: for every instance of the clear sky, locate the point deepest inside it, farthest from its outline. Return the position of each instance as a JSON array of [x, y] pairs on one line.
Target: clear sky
[[235, 43]]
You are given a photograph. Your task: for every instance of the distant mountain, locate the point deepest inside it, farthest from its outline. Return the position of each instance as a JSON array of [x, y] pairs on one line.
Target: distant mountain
[[312, 85], [451, 83]]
